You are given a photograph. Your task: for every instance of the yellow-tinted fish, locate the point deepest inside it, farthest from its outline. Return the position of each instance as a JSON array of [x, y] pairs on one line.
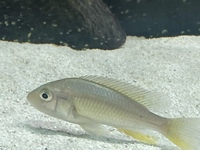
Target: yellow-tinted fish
[[92, 101]]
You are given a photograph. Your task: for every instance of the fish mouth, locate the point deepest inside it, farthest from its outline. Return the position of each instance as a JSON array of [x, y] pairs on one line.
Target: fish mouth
[[32, 101], [28, 97]]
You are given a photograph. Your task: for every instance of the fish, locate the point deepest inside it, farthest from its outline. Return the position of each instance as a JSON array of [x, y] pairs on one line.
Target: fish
[[94, 101]]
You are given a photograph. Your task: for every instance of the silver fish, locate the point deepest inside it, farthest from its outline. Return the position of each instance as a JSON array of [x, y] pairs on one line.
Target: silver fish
[[92, 101]]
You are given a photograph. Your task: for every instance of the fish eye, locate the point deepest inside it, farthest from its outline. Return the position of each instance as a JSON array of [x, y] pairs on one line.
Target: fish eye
[[46, 95]]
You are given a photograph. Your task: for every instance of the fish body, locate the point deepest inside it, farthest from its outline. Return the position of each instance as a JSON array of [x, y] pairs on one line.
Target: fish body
[[95, 101]]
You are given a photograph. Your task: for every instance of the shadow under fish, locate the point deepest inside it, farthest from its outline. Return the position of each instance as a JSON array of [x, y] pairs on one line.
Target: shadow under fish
[[40, 127]]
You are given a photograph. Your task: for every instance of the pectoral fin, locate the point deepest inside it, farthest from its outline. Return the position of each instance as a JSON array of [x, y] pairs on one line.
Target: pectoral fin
[[139, 136], [88, 124], [92, 128]]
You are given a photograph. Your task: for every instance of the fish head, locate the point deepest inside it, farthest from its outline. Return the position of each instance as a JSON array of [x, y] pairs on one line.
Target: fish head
[[45, 97]]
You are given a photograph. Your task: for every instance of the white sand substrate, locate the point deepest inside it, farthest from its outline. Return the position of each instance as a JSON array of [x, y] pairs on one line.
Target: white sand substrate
[[167, 65]]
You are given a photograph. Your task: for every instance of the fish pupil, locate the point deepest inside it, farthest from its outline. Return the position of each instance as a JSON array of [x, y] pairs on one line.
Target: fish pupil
[[45, 95]]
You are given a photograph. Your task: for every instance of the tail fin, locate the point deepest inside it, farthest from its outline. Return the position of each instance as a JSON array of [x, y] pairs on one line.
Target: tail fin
[[184, 133]]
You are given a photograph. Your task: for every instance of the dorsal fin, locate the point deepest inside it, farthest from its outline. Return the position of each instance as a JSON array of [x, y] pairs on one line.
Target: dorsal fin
[[151, 100]]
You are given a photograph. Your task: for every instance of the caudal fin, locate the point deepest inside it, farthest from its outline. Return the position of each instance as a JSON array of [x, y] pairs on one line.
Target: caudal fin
[[185, 133]]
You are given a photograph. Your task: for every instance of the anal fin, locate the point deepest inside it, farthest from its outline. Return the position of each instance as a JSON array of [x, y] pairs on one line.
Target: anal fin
[[139, 136]]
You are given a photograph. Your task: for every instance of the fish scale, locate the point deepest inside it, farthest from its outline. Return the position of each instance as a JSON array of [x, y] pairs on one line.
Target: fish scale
[[108, 105], [103, 112]]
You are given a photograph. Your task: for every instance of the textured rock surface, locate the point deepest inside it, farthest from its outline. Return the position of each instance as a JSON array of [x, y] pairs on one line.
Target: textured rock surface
[[77, 23], [94, 23]]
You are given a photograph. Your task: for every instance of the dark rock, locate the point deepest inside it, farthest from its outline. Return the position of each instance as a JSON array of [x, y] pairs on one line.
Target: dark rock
[[77, 23], [91, 24]]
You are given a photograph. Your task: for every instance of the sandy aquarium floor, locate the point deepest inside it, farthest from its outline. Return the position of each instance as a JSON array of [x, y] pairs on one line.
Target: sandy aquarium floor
[[167, 65]]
